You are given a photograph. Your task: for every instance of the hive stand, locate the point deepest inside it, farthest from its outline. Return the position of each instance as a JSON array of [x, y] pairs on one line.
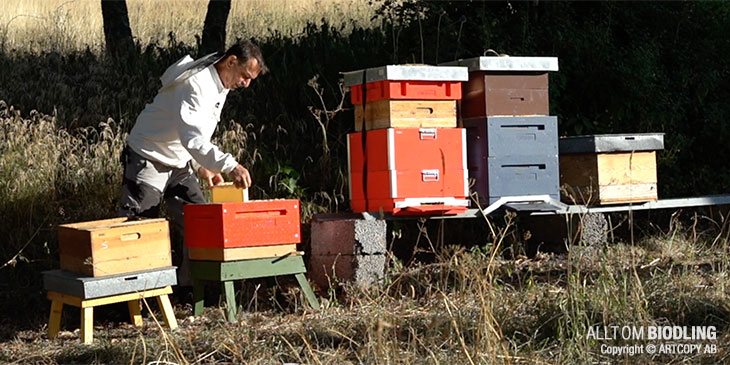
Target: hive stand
[[226, 272], [89, 292]]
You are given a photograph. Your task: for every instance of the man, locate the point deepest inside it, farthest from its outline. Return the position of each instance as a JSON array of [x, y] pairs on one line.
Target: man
[[170, 140]]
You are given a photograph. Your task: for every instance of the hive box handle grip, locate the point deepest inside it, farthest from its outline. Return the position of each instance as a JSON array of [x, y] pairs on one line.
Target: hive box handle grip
[[254, 214], [131, 236], [424, 110]]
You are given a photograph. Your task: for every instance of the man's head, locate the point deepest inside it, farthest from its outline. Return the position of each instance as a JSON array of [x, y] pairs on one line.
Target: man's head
[[241, 64]]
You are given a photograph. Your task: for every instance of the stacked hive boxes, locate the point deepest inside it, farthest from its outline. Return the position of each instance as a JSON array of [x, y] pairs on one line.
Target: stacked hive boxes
[[512, 142], [408, 156], [609, 169], [240, 230]]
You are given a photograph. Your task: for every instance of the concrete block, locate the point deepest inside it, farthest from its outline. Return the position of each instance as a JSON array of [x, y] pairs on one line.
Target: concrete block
[[347, 234], [556, 230], [363, 270], [89, 287]]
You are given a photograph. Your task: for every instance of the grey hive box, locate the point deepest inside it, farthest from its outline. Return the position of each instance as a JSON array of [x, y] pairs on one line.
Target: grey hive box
[[609, 168], [88, 287], [506, 85], [513, 156]]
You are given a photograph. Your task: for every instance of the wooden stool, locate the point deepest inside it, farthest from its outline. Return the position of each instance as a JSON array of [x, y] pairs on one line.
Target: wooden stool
[[87, 309], [87, 292], [226, 272]]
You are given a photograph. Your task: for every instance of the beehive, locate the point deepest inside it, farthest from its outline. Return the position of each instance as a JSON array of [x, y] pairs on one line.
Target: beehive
[[114, 246], [609, 169]]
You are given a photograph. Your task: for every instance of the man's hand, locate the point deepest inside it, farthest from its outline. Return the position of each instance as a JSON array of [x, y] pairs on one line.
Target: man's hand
[[211, 177], [240, 176]]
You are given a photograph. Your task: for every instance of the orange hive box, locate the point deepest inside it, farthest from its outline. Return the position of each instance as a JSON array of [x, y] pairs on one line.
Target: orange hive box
[[414, 170], [407, 90], [114, 246], [242, 224], [405, 82]]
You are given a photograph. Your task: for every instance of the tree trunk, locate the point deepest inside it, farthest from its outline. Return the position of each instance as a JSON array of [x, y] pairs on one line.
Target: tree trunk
[[214, 28], [117, 33]]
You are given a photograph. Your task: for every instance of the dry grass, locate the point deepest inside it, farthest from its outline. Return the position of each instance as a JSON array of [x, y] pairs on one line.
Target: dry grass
[[467, 307], [67, 25]]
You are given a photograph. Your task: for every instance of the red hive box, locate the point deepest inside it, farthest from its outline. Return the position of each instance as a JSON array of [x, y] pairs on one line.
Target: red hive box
[[242, 224], [415, 169], [407, 90]]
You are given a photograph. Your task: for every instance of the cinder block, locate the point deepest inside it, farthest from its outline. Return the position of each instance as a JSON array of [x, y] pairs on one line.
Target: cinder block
[[556, 230], [347, 234], [363, 270], [89, 287]]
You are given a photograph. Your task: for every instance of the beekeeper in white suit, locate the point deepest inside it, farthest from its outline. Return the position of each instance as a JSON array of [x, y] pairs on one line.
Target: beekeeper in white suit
[[170, 140]]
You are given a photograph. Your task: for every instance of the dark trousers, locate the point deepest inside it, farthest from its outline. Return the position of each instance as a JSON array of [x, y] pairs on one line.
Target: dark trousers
[[146, 184]]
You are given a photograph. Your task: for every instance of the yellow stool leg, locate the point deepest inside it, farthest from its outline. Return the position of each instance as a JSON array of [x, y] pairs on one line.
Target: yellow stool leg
[[167, 312], [87, 325], [135, 312], [54, 321]]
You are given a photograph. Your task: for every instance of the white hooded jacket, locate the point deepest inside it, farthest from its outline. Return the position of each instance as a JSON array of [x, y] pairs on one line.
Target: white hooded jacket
[[177, 126]]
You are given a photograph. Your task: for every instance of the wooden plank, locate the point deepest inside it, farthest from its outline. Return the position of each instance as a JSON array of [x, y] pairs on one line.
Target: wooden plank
[[628, 193], [198, 297], [167, 312], [64, 298], [87, 325], [239, 253], [407, 114], [54, 320], [91, 224], [74, 248], [135, 312], [308, 293], [247, 269], [102, 224], [624, 168], [78, 302], [231, 307]]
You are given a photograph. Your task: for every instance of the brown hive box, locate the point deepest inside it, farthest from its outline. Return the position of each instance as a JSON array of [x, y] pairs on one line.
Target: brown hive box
[[503, 86], [114, 246]]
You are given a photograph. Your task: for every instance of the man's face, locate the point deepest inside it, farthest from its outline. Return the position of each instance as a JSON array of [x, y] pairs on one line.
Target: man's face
[[234, 75]]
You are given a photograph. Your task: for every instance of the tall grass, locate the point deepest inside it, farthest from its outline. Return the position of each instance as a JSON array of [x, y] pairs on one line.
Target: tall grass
[[72, 25], [466, 307]]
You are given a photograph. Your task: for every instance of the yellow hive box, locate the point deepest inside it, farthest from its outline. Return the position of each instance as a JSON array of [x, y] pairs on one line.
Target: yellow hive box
[[114, 246], [407, 114], [609, 178], [227, 192]]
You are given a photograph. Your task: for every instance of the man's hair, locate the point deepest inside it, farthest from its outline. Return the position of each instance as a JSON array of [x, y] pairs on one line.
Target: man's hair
[[244, 50]]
